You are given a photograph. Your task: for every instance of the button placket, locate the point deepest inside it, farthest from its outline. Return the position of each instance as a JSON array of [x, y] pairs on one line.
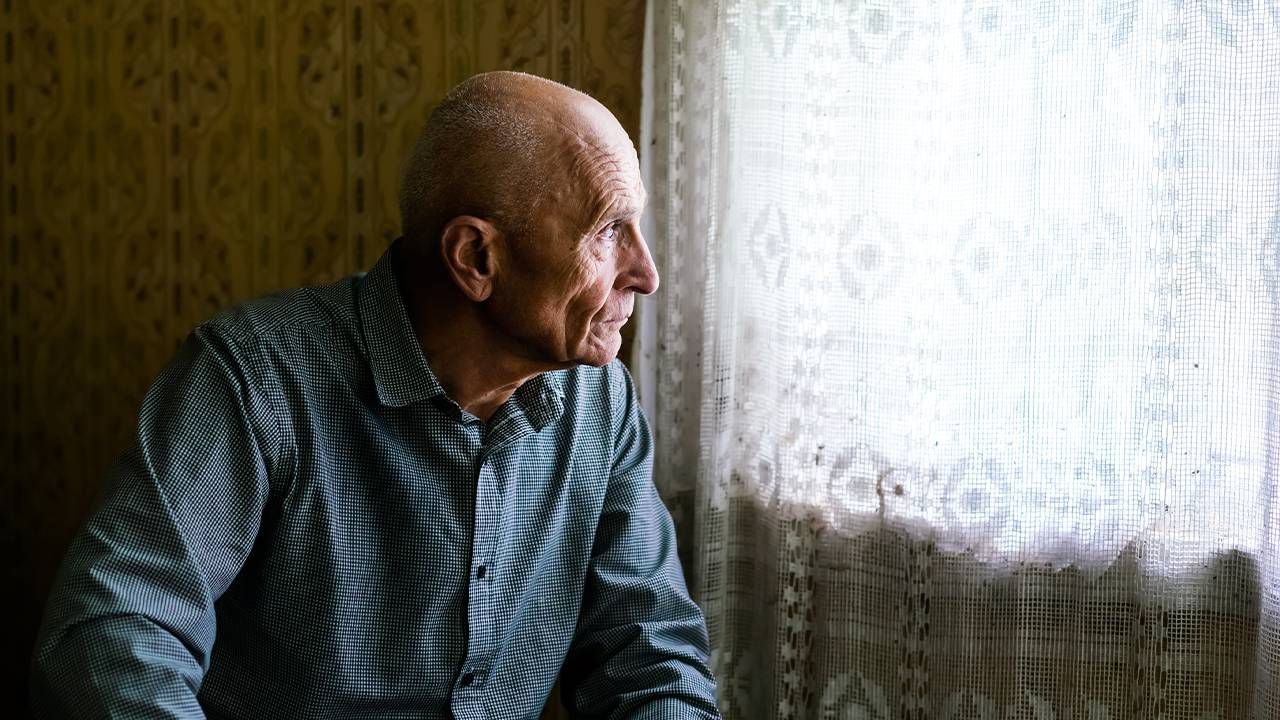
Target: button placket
[[479, 617], [498, 452]]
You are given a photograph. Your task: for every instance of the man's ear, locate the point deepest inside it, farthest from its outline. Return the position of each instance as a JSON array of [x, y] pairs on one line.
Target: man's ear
[[468, 249]]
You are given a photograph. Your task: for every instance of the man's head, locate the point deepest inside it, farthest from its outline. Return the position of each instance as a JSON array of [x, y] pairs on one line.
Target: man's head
[[527, 195]]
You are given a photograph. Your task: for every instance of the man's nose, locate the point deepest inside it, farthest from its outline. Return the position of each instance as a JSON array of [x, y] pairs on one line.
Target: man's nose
[[639, 274]]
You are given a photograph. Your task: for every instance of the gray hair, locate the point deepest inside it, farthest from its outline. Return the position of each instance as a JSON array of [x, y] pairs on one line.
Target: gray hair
[[479, 154]]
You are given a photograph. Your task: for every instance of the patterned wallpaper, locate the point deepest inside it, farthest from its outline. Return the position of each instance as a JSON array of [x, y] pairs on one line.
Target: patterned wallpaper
[[163, 159]]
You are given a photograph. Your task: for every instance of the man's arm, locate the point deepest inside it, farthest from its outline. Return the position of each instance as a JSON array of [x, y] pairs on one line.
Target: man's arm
[[640, 650], [130, 621]]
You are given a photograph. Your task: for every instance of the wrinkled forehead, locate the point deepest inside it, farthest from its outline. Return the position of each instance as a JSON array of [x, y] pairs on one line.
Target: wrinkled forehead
[[598, 160], [590, 127], [607, 177]]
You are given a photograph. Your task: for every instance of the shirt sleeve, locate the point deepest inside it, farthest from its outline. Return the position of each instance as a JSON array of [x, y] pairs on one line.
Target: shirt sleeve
[[130, 621], [641, 647]]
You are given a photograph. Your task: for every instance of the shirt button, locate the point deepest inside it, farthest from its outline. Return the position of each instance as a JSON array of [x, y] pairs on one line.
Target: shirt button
[[467, 679], [480, 572]]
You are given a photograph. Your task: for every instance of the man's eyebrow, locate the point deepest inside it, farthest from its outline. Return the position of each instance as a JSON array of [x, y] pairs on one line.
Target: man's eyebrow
[[620, 212], [627, 209]]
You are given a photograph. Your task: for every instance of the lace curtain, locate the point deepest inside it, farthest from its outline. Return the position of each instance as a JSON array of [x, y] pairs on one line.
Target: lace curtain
[[964, 370]]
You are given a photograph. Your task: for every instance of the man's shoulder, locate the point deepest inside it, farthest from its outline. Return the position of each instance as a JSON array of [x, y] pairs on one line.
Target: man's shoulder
[[273, 318]]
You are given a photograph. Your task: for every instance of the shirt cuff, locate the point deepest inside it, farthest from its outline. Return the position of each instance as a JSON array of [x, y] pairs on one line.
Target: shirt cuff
[[670, 708]]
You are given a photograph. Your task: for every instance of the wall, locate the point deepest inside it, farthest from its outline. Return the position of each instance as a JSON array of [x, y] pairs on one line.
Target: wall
[[164, 159]]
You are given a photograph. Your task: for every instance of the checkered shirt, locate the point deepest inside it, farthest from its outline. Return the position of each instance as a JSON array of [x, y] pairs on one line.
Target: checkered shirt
[[307, 526]]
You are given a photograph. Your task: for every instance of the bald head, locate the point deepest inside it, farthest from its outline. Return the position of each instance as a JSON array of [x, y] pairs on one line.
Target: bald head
[[522, 245], [493, 148]]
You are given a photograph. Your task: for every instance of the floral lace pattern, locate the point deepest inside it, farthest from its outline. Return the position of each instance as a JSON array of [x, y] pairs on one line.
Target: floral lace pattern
[[963, 373]]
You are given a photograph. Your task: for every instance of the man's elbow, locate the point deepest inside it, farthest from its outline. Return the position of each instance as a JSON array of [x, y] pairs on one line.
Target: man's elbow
[[97, 666]]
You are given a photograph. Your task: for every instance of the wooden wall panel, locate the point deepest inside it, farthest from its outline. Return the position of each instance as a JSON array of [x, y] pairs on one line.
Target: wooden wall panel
[[163, 159]]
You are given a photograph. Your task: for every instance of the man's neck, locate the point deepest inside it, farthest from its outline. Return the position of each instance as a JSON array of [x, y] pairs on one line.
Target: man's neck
[[473, 363]]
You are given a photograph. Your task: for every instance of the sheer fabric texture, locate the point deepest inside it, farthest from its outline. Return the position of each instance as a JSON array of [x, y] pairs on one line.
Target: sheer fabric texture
[[963, 373]]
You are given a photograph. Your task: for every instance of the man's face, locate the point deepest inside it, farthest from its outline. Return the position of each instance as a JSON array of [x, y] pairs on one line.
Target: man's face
[[569, 285]]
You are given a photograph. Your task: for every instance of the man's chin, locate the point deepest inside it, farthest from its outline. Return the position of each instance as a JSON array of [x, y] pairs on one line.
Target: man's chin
[[601, 354], [598, 359]]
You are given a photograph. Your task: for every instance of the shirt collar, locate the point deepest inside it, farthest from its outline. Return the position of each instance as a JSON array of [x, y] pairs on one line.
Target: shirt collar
[[401, 372], [542, 398]]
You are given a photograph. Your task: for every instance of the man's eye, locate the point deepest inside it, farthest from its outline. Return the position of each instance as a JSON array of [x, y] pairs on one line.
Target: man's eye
[[610, 233]]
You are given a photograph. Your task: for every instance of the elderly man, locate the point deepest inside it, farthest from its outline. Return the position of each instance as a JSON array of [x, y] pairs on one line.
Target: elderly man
[[420, 492]]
